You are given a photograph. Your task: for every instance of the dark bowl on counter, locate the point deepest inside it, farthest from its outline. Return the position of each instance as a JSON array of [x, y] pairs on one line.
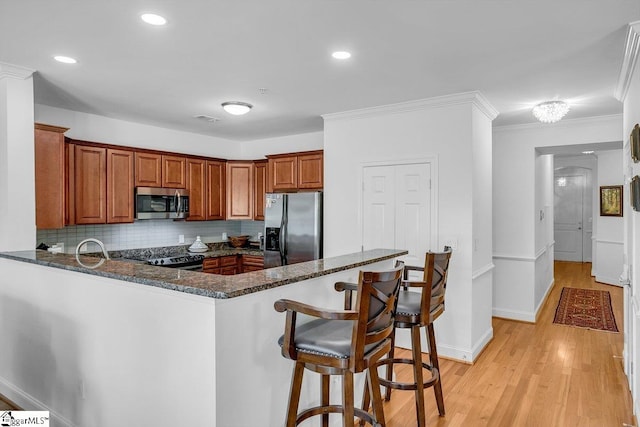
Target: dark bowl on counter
[[238, 241]]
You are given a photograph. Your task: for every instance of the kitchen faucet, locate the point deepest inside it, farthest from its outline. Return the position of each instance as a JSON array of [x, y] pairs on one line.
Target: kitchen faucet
[[96, 241]]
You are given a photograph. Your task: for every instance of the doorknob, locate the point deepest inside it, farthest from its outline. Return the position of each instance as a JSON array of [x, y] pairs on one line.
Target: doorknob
[[579, 228]]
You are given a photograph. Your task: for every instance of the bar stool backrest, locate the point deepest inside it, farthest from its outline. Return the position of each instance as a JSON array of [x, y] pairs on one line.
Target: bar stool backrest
[[436, 269], [376, 303]]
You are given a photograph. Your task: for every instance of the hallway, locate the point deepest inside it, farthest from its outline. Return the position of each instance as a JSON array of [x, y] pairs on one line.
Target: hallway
[[534, 375]]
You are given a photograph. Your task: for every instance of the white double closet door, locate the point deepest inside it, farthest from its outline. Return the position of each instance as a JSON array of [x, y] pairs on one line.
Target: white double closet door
[[396, 209]]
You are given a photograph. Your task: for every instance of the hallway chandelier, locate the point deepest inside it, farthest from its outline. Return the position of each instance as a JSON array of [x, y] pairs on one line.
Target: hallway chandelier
[[550, 111]]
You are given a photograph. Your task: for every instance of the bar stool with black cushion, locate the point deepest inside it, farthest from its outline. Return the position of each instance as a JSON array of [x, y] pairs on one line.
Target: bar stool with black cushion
[[342, 342], [415, 310]]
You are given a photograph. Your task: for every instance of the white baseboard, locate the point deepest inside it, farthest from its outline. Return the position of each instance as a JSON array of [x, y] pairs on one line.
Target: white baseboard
[[523, 316], [29, 403], [544, 298]]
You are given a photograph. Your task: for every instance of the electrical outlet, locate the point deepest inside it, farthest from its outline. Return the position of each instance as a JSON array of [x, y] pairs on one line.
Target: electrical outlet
[[180, 238], [224, 236]]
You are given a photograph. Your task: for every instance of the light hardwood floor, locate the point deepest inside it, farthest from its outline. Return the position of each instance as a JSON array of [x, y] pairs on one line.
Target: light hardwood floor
[[540, 374]]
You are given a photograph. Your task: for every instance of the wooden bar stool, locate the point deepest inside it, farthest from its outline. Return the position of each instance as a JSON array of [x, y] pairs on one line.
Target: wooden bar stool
[[415, 310], [342, 342]]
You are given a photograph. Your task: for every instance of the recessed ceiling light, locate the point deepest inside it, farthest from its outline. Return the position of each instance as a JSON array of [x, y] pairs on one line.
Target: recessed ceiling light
[[236, 108], [153, 19], [65, 59], [341, 55], [588, 152]]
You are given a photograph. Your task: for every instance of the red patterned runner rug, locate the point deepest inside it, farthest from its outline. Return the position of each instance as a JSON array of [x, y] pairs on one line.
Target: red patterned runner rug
[[586, 308]]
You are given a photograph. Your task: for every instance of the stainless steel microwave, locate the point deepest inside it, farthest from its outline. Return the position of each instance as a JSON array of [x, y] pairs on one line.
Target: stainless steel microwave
[[161, 203]]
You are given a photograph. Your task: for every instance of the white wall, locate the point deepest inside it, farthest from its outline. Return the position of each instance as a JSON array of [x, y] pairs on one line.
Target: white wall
[[455, 131], [628, 91], [93, 350], [17, 179], [94, 128], [253, 150], [520, 253], [609, 236]]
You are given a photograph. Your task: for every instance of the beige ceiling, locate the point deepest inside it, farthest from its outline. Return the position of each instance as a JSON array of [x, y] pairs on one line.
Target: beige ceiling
[[516, 52]]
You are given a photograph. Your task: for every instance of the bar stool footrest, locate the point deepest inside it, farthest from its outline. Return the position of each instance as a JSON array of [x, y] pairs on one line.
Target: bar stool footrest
[[335, 409], [435, 375]]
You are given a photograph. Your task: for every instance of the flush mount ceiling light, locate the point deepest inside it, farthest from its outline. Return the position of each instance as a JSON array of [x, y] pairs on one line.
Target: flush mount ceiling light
[[341, 55], [65, 59], [550, 111], [588, 152], [236, 108], [153, 19]]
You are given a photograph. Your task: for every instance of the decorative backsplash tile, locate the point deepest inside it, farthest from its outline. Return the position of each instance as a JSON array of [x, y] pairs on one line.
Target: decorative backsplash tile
[[148, 233]]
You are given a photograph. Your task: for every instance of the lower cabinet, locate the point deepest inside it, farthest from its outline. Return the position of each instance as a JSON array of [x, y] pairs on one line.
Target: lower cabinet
[[252, 263], [233, 264]]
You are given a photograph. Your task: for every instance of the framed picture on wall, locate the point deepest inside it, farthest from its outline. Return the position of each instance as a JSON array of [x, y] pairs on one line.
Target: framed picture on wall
[[611, 200], [634, 143], [635, 193]]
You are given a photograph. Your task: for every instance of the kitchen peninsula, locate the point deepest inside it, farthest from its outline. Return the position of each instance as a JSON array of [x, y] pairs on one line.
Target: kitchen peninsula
[[155, 346]]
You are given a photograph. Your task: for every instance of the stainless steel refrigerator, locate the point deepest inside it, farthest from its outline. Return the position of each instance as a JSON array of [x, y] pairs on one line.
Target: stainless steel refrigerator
[[292, 228]]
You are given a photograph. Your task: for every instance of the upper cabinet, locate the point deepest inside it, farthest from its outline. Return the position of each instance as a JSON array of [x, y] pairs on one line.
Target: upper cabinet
[[240, 190], [119, 186], [206, 184], [83, 182], [174, 171], [50, 176], [148, 167], [259, 188], [283, 172], [197, 186], [310, 171], [160, 170], [295, 171], [100, 185], [90, 184], [216, 189]]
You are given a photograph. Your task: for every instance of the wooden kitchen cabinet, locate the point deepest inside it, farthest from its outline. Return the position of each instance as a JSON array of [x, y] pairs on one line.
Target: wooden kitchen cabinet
[[216, 178], [310, 171], [239, 190], [206, 184], [120, 178], [259, 188], [229, 265], [211, 265], [90, 185], [160, 170], [252, 263], [50, 172], [296, 171], [283, 172], [197, 186], [174, 171], [148, 170]]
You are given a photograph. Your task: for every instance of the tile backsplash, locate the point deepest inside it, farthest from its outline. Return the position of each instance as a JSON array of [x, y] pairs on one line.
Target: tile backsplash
[[148, 233]]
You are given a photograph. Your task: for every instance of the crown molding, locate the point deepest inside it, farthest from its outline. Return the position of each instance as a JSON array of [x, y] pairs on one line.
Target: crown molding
[[14, 71], [631, 50], [563, 123], [474, 98]]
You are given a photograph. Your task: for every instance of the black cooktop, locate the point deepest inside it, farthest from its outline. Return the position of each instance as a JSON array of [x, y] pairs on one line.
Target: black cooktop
[[177, 261]]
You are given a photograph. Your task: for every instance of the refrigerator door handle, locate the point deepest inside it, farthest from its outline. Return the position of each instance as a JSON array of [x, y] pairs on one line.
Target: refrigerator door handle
[[283, 231]]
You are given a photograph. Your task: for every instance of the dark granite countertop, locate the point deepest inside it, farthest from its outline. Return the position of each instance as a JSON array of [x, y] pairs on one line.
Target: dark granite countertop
[[203, 284]]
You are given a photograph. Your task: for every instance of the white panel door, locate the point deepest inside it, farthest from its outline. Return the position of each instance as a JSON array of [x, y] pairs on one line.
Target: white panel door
[[397, 209], [378, 207], [413, 211], [567, 222]]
